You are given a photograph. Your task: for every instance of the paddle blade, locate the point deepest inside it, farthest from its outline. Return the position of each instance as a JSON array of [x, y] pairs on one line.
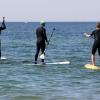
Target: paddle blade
[[42, 56]]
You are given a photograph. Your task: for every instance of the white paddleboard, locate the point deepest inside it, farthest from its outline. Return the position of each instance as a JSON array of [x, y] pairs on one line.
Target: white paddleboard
[[60, 63], [92, 67], [3, 58], [53, 63]]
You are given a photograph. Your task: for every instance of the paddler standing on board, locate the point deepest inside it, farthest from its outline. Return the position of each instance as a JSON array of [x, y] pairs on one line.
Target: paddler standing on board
[[41, 39], [2, 27], [96, 45]]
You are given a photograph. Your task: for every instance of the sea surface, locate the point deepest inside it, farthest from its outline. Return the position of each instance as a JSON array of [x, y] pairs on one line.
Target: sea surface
[[20, 81]]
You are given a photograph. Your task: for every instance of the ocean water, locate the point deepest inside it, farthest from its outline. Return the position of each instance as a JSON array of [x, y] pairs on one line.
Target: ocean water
[[19, 81]]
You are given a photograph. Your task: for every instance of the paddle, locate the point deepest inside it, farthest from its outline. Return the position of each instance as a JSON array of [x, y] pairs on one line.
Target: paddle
[[42, 56]]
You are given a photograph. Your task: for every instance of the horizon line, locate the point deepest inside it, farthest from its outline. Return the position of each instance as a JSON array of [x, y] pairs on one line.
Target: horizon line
[[49, 21]]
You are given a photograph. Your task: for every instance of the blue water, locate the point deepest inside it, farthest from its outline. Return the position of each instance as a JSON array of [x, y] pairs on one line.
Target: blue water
[[19, 81]]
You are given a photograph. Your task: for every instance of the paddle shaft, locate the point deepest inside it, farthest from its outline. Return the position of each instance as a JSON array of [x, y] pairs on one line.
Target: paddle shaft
[[51, 35], [50, 38]]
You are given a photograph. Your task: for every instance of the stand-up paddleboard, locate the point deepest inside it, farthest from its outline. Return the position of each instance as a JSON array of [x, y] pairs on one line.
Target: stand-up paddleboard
[[3, 58], [60, 63], [92, 67], [53, 63]]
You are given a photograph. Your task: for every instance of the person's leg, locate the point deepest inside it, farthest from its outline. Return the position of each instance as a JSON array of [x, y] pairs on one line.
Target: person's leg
[[99, 51], [94, 48], [93, 59], [43, 51], [37, 53]]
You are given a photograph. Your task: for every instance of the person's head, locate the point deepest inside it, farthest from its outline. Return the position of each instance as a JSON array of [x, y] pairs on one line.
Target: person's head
[[42, 22], [98, 25]]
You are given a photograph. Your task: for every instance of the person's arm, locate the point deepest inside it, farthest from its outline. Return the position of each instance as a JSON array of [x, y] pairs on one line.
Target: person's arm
[[90, 34], [93, 34], [87, 34]]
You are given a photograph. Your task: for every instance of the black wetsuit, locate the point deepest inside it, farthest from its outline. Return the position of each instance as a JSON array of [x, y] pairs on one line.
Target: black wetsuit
[[96, 45], [41, 38], [3, 26]]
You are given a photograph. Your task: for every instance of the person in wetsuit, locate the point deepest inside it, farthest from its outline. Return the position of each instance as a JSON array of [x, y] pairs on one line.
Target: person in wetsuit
[[3, 26], [41, 39], [96, 45]]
